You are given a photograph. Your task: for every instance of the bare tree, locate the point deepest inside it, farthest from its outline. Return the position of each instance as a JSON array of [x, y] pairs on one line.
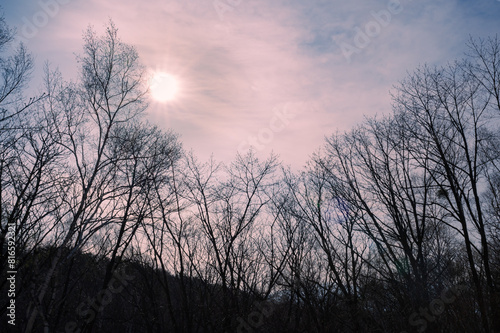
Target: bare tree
[[448, 112], [143, 157], [16, 69], [227, 214], [111, 93]]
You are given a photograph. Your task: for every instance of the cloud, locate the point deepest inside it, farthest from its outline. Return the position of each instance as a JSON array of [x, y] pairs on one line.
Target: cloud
[[236, 66]]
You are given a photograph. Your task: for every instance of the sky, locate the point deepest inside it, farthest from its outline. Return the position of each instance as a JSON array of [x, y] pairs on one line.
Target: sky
[[275, 75]]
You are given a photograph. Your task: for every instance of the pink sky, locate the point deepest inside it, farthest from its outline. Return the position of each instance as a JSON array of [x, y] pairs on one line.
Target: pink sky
[[239, 68]]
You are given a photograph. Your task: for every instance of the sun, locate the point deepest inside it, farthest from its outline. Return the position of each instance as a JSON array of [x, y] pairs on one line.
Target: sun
[[164, 87]]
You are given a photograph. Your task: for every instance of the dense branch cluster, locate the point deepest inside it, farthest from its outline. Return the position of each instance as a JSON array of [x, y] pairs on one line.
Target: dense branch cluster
[[393, 226]]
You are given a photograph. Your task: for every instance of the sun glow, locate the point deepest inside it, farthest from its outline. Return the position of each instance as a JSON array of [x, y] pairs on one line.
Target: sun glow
[[164, 87]]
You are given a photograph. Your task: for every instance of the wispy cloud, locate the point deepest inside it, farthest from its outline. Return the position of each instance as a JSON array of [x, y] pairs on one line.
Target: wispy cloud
[[236, 68]]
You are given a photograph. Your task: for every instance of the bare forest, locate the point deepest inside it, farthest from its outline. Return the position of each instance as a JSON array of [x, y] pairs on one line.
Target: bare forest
[[393, 226]]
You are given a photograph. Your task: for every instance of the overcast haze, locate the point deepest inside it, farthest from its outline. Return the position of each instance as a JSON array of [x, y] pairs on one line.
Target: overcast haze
[[280, 74]]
